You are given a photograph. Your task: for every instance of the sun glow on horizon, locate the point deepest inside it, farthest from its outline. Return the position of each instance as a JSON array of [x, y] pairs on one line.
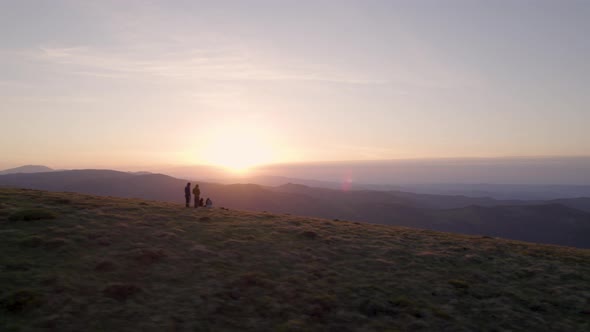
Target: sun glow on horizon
[[238, 148]]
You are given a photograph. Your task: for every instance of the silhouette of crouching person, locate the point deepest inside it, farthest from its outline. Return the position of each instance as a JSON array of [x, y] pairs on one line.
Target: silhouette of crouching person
[[187, 194], [196, 193]]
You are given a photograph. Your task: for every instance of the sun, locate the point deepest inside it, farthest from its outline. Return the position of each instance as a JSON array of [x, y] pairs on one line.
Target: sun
[[238, 149]]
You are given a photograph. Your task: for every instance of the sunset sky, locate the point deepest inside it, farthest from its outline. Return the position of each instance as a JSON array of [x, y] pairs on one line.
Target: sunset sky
[[126, 84]]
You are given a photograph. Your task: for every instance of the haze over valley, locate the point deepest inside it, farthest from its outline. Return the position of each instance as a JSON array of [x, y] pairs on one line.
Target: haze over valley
[[559, 221]]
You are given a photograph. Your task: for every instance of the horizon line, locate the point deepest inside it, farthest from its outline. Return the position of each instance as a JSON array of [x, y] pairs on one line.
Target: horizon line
[[322, 162]]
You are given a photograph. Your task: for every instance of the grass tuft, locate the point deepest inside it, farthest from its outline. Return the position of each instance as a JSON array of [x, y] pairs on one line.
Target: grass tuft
[[457, 283], [309, 235], [377, 307], [32, 241], [121, 292], [441, 313], [402, 301], [21, 301], [62, 201]]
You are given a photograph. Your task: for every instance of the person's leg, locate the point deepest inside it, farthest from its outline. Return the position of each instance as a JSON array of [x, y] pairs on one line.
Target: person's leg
[[196, 201], [188, 200]]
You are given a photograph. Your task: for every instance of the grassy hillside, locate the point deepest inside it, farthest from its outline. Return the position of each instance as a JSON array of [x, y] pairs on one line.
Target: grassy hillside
[[74, 262], [540, 222]]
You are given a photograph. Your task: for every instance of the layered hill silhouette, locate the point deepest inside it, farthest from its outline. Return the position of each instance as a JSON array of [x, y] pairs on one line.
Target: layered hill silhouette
[[73, 262], [563, 222], [27, 169]]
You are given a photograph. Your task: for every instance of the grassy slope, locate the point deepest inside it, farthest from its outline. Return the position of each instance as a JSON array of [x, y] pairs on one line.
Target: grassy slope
[[109, 264]]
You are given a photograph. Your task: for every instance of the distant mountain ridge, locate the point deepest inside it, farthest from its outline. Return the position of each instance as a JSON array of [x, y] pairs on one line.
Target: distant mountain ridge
[[27, 169], [564, 222]]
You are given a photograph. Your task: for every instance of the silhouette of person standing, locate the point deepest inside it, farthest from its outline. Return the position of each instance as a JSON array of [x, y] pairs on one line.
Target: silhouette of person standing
[[187, 194], [196, 193]]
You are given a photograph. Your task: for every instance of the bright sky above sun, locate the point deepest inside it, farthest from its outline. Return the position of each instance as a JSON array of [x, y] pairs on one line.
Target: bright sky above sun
[[241, 83]]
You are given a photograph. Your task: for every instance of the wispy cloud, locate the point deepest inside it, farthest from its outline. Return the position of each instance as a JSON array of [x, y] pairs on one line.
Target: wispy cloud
[[192, 65], [54, 99]]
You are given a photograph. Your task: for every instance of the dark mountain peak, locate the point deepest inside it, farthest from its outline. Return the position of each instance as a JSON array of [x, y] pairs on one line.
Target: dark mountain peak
[[27, 169]]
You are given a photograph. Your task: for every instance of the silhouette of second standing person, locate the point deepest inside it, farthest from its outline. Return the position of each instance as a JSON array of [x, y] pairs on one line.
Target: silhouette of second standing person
[[196, 193], [187, 194]]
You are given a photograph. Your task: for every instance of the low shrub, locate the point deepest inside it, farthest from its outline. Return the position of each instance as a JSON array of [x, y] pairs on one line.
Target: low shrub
[[458, 283], [32, 214], [21, 300], [55, 243], [309, 234], [377, 307], [440, 313], [402, 301], [18, 266], [63, 201], [382, 307], [32, 241]]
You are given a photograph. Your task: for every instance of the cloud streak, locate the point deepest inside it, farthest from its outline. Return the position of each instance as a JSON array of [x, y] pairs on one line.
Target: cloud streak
[[191, 65]]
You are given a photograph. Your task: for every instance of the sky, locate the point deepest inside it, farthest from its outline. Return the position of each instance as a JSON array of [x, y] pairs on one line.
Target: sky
[[126, 84]]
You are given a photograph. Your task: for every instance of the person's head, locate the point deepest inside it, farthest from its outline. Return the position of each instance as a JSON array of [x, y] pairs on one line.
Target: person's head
[[196, 186], [188, 184]]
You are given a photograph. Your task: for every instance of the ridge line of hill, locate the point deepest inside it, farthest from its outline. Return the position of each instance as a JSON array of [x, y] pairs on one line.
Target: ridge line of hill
[[545, 222]]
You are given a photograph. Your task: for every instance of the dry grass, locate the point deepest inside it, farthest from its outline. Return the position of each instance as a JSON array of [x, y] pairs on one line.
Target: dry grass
[[108, 264]]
